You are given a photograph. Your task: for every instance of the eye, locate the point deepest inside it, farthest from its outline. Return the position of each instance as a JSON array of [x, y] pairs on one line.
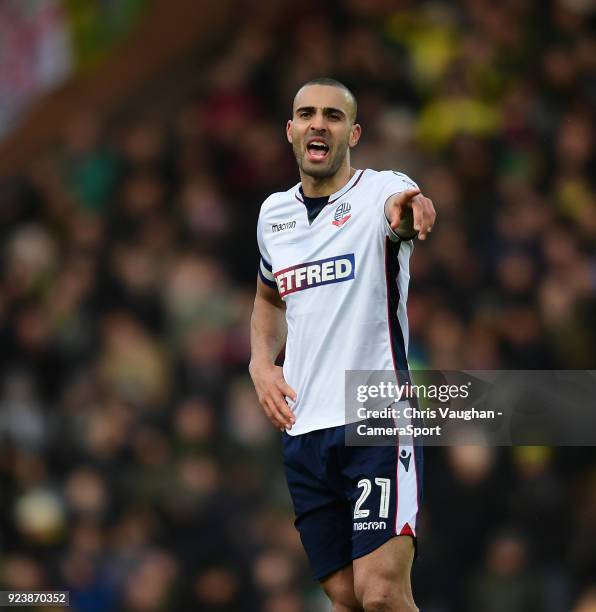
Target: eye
[[304, 114]]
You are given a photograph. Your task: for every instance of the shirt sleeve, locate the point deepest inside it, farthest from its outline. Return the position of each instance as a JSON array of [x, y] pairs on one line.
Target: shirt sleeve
[[265, 267], [396, 182]]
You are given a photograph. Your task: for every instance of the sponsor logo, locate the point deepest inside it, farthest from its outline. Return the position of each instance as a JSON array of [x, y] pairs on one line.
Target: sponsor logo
[[405, 457], [280, 227], [342, 214], [316, 273], [370, 526]]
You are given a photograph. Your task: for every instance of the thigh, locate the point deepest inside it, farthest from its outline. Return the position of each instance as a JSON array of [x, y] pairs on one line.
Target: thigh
[[383, 486], [325, 535], [323, 516], [390, 564]]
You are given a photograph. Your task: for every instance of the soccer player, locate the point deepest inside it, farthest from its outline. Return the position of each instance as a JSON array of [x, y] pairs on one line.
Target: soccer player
[[332, 287]]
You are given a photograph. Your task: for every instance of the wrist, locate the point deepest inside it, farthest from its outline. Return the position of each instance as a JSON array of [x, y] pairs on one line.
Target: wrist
[[257, 365]]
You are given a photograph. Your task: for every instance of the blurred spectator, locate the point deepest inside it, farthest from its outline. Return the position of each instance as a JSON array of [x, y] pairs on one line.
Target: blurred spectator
[[505, 584]]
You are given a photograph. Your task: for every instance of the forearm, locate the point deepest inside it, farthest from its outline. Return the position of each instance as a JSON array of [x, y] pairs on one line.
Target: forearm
[[268, 332]]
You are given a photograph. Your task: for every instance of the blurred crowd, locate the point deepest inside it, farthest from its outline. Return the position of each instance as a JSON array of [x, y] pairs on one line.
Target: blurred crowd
[[137, 470]]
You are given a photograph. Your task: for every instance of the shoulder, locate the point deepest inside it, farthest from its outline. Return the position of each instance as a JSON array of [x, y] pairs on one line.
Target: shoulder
[[279, 198], [393, 178]]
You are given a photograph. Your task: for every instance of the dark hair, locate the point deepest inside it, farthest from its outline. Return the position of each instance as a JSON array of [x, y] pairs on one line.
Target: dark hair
[[334, 83]]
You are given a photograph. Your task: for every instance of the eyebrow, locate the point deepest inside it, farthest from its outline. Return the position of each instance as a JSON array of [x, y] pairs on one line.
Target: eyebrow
[[327, 110]]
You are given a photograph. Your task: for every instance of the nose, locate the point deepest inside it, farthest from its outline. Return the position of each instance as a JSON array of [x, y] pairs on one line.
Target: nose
[[317, 123]]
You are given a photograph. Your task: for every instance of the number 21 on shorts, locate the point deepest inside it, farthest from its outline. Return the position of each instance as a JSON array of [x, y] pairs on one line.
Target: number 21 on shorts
[[366, 486]]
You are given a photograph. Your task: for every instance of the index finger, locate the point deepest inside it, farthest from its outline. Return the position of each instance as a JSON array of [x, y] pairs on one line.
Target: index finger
[[288, 391], [279, 400], [405, 196]]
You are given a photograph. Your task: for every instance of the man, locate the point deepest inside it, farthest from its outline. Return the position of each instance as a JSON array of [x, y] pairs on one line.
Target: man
[[332, 287]]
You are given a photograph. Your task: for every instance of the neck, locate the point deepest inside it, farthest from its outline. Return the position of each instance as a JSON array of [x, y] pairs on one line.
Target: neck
[[315, 187]]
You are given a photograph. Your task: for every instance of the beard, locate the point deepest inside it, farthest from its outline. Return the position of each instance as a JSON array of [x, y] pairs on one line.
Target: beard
[[317, 170]]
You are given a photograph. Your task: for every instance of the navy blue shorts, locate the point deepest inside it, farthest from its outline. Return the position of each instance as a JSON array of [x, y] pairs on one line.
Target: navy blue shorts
[[349, 500]]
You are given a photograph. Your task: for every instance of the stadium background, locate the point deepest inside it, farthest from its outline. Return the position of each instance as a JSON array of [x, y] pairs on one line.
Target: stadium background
[[137, 140]]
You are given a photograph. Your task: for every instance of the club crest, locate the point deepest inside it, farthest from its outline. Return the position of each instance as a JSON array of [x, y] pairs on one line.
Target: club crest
[[342, 214]]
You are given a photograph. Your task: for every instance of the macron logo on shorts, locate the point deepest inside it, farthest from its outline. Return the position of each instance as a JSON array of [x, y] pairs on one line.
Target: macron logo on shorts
[[370, 526], [316, 273]]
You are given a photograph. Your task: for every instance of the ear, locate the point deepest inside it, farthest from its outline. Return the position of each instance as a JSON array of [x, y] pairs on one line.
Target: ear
[[355, 135], [289, 131]]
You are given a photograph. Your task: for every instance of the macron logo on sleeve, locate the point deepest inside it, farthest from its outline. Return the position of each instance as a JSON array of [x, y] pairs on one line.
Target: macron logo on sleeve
[[315, 274]]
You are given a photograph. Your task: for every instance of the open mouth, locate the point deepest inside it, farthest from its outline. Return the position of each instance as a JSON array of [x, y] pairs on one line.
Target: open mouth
[[317, 150]]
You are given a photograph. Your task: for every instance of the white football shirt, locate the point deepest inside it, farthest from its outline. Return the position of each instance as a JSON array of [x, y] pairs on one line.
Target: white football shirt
[[344, 279]]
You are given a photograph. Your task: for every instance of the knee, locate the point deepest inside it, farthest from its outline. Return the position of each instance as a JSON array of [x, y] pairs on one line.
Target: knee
[[344, 607], [345, 602], [387, 598], [343, 599], [388, 605]]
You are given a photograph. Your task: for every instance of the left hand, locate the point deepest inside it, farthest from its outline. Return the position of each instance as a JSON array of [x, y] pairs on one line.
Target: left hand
[[413, 205]]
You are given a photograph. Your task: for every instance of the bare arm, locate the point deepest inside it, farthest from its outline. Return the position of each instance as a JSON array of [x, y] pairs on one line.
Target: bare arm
[[268, 332], [268, 328]]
